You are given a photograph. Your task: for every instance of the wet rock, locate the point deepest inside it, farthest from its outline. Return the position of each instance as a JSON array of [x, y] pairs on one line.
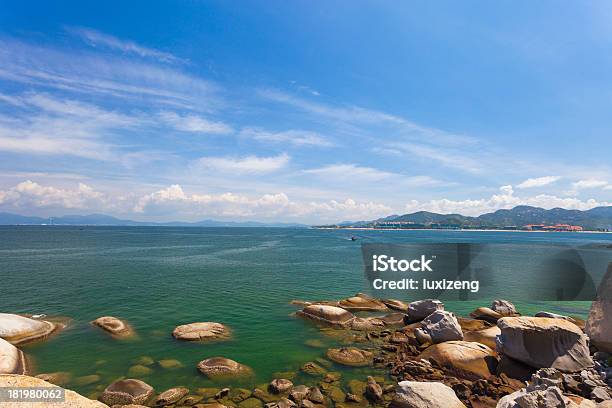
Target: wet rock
[[12, 360], [18, 329], [486, 336], [373, 391], [438, 327], [350, 356], [239, 394], [393, 319], [332, 315], [542, 342], [599, 324], [486, 314], [353, 398], [413, 394], [282, 403], [299, 393], [144, 360], [504, 307], [190, 400], [465, 359], [207, 393], [218, 368], [263, 395], [139, 371], [362, 303], [280, 385], [202, 331], [212, 405], [59, 378], [129, 391], [114, 326], [420, 309], [251, 403], [169, 364], [171, 396], [396, 304], [336, 394], [316, 396], [367, 323], [313, 369], [72, 398]]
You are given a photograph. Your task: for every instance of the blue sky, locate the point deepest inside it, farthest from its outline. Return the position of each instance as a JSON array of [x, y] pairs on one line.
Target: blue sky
[[302, 111]]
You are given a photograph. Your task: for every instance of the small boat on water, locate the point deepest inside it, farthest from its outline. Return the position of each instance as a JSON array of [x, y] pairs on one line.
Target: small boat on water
[[353, 238]]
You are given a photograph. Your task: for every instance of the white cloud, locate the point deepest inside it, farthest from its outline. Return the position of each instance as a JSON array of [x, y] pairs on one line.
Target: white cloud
[[589, 183], [194, 123], [244, 165], [97, 38], [28, 194], [505, 199], [538, 182], [295, 137]]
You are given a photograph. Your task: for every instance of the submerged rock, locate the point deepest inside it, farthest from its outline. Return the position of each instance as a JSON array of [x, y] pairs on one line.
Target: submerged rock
[[414, 394], [171, 396], [221, 368], [12, 360], [280, 385], [420, 309], [327, 314], [438, 327], [599, 324], [313, 369], [72, 398], [170, 364], [128, 391], [465, 359], [367, 323], [60, 378], [114, 326], [202, 331], [543, 342], [350, 356], [362, 303], [18, 329]]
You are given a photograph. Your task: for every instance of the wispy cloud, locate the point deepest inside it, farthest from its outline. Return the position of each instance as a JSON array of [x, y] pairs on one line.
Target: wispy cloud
[[538, 182], [589, 184], [194, 123], [97, 39], [294, 137], [244, 165]]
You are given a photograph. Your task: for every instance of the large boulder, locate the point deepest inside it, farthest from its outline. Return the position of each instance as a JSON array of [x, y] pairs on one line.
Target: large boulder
[[599, 324], [332, 315], [486, 336], [542, 342], [420, 309], [350, 356], [128, 391], [12, 360], [18, 329], [367, 323], [202, 331], [72, 399], [549, 397], [465, 359], [504, 307], [114, 326], [221, 368], [362, 303], [396, 304], [414, 394], [438, 327], [486, 314]]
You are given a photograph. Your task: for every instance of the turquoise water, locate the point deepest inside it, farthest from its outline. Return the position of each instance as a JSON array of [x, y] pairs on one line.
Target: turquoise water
[[159, 277]]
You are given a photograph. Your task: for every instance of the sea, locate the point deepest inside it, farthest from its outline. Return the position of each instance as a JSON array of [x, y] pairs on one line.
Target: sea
[[246, 278]]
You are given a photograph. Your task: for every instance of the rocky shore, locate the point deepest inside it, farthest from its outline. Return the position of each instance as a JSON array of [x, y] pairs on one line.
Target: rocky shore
[[417, 355]]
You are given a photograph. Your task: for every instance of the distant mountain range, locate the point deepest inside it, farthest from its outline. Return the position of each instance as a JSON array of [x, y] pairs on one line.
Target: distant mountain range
[[107, 220], [593, 219]]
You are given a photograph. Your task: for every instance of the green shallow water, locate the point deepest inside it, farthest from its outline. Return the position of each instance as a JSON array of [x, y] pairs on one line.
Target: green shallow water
[[158, 278]]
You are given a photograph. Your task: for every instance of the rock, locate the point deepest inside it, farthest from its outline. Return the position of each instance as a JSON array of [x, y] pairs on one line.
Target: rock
[[218, 368], [313, 369], [114, 326], [440, 326], [18, 329], [190, 400], [420, 309], [264, 395], [282, 403], [250, 403], [373, 391], [466, 359], [299, 393], [129, 391], [171, 396], [413, 394], [396, 304], [144, 360], [469, 324], [599, 324], [362, 303], [332, 315], [60, 378], [600, 394], [170, 364], [350, 356], [315, 343], [139, 371], [12, 360], [280, 385], [316, 396], [486, 336], [393, 319], [523, 398], [212, 405], [202, 331], [514, 369], [357, 387], [486, 314], [239, 394], [336, 394], [367, 323], [73, 400], [543, 342], [504, 307], [87, 380]]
